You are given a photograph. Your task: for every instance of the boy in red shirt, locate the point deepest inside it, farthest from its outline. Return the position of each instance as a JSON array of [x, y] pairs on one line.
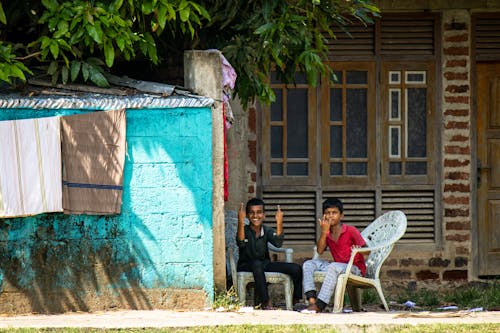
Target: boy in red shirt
[[340, 239]]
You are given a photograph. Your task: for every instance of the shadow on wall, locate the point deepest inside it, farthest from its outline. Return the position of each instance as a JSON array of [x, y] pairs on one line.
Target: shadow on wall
[[52, 263]]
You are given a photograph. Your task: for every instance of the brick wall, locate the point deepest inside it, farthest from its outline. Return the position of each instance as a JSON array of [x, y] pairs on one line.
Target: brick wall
[[456, 138]]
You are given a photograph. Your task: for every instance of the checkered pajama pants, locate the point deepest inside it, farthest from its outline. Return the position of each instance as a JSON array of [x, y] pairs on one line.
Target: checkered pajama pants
[[332, 269]]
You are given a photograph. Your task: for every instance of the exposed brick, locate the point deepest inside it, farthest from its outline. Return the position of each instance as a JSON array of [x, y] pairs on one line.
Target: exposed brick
[[455, 275], [398, 274], [251, 189], [458, 238], [456, 51], [449, 163], [458, 226], [391, 262], [456, 212], [438, 262], [455, 26], [461, 262], [253, 176], [457, 99], [452, 200], [457, 38], [459, 138], [462, 250], [456, 125], [252, 151], [427, 275], [456, 63], [463, 188], [456, 112], [457, 150], [457, 175], [456, 76], [411, 262], [457, 89], [252, 120]]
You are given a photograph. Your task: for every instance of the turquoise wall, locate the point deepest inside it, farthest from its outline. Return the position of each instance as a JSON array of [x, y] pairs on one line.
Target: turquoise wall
[[162, 238]]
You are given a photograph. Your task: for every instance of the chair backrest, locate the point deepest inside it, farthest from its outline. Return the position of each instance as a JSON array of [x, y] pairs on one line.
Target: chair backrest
[[384, 231], [232, 267]]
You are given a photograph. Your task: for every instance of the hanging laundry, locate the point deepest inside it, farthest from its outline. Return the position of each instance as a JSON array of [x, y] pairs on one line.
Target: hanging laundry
[[93, 157], [30, 167]]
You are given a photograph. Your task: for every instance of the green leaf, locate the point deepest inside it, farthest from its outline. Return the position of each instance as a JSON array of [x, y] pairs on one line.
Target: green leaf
[[62, 29], [17, 73], [95, 61], [50, 4], [54, 49], [64, 75], [85, 71], [75, 69], [117, 4], [162, 16], [147, 7], [3, 19], [98, 78], [54, 78], [91, 30], [52, 67], [184, 11], [109, 52]]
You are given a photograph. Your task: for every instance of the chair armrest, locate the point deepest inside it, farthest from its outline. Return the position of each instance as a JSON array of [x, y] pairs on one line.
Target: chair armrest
[[286, 250], [316, 255]]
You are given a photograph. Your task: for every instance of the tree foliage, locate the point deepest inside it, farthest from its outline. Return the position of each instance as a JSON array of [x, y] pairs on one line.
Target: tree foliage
[[81, 40]]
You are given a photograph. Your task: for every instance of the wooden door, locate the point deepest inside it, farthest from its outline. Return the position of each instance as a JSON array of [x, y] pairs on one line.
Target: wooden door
[[488, 168]]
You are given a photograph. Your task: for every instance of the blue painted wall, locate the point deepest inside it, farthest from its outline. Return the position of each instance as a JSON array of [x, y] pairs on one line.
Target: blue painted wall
[[162, 238]]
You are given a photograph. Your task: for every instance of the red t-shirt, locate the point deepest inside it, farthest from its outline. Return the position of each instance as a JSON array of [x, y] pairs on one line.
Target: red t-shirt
[[341, 249]]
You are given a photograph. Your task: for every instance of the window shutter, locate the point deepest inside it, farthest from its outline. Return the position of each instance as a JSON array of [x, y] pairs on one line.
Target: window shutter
[[360, 41], [399, 37], [487, 37], [299, 214]]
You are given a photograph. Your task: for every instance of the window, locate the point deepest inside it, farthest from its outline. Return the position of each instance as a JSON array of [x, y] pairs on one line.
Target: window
[[366, 135]]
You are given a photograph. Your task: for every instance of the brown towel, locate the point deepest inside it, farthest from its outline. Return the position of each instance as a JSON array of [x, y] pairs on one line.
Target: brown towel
[[93, 156]]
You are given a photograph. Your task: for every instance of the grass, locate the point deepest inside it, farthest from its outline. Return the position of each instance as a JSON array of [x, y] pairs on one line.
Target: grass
[[484, 295], [438, 328]]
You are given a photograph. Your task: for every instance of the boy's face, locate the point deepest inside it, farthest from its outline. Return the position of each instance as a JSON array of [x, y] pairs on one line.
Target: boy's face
[[333, 215], [256, 215]]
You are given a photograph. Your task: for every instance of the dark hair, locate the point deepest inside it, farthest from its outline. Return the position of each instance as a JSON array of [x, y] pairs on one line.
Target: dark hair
[[255, 202], [331, 203]]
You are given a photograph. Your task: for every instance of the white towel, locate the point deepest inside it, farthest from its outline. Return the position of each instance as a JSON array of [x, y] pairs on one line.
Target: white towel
[[30, 167]]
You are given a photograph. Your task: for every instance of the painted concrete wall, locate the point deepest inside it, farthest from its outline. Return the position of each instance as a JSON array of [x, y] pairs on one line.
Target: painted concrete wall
[[156, 254]]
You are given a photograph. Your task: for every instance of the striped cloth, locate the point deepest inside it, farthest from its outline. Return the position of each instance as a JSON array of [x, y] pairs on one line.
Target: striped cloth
[[30, 167], [93, 157]]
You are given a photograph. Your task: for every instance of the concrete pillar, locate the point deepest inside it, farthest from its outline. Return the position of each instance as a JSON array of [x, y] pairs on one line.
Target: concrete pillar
[[203, 75]]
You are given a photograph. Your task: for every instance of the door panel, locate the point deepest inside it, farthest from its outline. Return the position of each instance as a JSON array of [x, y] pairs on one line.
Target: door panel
[[488, 153]]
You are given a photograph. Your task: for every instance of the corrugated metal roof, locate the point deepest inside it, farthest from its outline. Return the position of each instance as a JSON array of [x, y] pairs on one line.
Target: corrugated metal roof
[[104, 102]]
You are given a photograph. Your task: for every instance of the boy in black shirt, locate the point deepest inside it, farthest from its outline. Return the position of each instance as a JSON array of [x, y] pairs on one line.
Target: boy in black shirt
[[254, 257]]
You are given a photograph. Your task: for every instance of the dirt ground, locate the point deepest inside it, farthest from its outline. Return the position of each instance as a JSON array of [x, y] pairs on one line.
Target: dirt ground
[[163, 318]]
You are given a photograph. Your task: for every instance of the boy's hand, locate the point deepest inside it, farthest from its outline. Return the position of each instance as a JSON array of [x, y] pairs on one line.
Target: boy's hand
[[279, 215], [241, 222], [241, 213], [279, 221], [324, 224]]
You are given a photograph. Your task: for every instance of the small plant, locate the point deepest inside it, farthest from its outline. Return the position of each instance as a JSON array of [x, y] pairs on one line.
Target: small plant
[[227, 300], [486, 295]]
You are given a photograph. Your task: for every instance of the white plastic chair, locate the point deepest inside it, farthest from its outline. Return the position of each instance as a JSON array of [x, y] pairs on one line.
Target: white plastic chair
[[241, 279], [380, 237]]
